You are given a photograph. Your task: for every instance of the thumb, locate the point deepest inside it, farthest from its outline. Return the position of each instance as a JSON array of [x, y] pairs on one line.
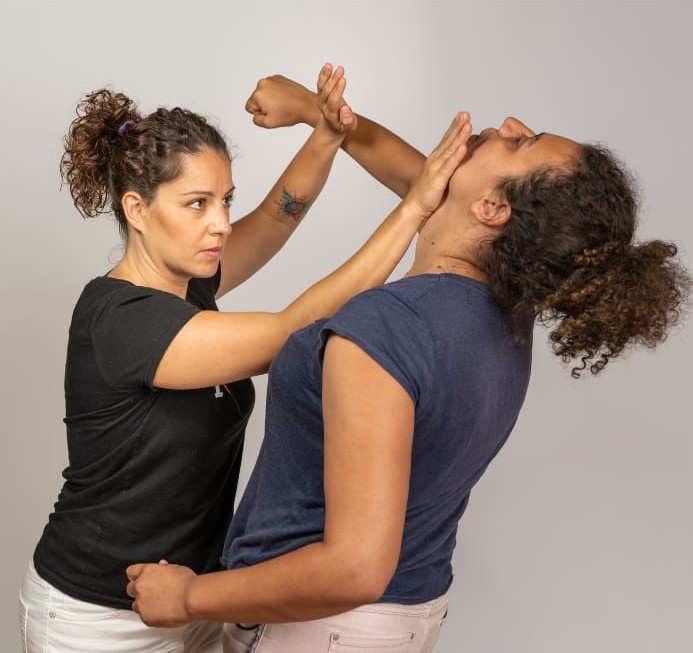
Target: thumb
[[347, 118], [260, 119]]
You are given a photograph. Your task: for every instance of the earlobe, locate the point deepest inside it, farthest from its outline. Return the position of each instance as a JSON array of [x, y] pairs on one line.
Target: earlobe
[[135, 209]]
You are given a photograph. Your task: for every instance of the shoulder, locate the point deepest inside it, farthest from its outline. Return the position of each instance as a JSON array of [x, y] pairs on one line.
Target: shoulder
[[404, 294], [107, 303], [415, 300], [388, 324]]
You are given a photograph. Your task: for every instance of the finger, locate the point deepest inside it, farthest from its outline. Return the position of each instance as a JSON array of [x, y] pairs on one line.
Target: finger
[[336, 98], [251, 106], [133, 571], [331, 82], [163, 562], [130, 589], [452, 131], [453, 155], [324, 75], [455, 138], [135, 608], [260, 119]]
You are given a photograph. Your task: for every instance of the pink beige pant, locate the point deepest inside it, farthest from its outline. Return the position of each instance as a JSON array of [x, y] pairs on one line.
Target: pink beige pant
[[376, 628]]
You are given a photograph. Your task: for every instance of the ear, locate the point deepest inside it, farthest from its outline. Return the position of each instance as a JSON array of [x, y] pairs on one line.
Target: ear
[[135, 209], [493, 210]]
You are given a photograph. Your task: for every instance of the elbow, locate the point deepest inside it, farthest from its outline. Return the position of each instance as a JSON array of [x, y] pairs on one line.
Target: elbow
[[371, 592], [366, 579]]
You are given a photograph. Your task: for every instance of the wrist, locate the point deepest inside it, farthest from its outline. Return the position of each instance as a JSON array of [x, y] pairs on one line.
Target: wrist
[[192, 607], [326, 134], [411, 211], [311, 110]]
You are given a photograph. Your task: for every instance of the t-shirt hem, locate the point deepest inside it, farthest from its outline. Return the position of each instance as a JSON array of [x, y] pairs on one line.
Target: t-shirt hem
[[414, 600], [80, 593]]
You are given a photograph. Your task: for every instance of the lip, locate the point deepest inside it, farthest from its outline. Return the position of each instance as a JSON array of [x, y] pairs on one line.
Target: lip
[[213, 251], [474, 141]]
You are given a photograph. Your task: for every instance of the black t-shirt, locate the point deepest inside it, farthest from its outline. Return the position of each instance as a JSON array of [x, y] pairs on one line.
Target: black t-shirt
[[152, 473]]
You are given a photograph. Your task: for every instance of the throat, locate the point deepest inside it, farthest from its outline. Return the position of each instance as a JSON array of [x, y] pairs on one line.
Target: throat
[[448, 265]]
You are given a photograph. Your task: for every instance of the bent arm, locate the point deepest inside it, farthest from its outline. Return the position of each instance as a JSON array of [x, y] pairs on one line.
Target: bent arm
[[369, 421], [214, 348], [384, 155], [259, 235], [388, 158]]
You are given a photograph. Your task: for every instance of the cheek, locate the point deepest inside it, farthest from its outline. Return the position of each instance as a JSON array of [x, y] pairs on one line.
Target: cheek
[[173, 227], [465, 182]]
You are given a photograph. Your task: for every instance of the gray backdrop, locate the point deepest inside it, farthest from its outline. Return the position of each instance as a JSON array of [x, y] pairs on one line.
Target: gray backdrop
[[579, 537]]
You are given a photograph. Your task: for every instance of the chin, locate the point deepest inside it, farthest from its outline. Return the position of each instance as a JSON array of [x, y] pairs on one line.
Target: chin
[[204, 271]]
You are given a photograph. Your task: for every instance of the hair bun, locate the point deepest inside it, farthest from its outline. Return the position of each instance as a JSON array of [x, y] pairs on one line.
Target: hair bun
[[90, 145]]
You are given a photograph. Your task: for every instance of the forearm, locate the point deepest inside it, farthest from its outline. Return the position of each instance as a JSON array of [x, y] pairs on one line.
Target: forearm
[[258, 236], [383, 154], [304, 177], [309, 583], [370, 266]]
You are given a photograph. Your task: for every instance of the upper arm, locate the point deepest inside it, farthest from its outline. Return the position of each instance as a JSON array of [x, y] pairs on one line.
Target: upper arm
[[214, 348], [369, 425]]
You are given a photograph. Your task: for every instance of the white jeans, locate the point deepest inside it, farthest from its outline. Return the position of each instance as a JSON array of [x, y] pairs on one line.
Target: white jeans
[[374, 628], [52, 622]]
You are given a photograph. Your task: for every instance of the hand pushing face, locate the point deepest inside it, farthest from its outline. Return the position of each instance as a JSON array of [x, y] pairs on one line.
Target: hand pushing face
[[511, 151]]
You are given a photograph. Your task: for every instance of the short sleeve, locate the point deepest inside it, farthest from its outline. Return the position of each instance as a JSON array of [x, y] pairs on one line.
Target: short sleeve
[[132, 332], [392, 333]]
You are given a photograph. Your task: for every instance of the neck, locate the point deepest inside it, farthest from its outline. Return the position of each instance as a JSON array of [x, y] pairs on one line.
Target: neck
[[447, 265], [140, 270], [436, 254]]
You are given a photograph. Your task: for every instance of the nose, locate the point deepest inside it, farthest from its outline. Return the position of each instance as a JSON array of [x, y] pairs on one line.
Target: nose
[[220, 223], [512, 128]]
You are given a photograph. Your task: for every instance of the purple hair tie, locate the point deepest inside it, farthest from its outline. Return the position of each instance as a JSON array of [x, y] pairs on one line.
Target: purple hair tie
[[124, 126]]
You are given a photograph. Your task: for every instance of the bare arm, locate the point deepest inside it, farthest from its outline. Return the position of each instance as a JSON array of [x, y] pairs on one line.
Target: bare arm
[[259, 235], [369, 421], [214, 348], [392, 161]]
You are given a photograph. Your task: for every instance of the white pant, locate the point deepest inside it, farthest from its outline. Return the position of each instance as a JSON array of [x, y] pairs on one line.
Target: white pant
[[374, 628], [52, 622]]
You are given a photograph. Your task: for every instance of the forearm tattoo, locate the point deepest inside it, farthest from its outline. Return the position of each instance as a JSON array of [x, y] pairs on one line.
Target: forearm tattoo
[[292, 206]]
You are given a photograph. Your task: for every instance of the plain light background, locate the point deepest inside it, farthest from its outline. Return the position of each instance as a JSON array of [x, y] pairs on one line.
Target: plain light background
[[579, 537]]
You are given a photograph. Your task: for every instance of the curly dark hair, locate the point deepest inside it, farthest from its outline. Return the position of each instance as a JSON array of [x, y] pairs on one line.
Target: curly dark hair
[[110, 149], [567, 258]]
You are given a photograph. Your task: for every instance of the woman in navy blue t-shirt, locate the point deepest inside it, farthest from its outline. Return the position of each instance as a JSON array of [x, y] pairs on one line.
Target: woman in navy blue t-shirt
[[381, 418]]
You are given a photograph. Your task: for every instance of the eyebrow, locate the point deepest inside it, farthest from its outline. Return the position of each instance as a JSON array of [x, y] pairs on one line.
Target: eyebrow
[[207, 192], [535, 139]]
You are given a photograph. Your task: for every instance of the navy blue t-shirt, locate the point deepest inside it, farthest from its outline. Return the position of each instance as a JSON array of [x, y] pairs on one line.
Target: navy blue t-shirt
[[450, 346]]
